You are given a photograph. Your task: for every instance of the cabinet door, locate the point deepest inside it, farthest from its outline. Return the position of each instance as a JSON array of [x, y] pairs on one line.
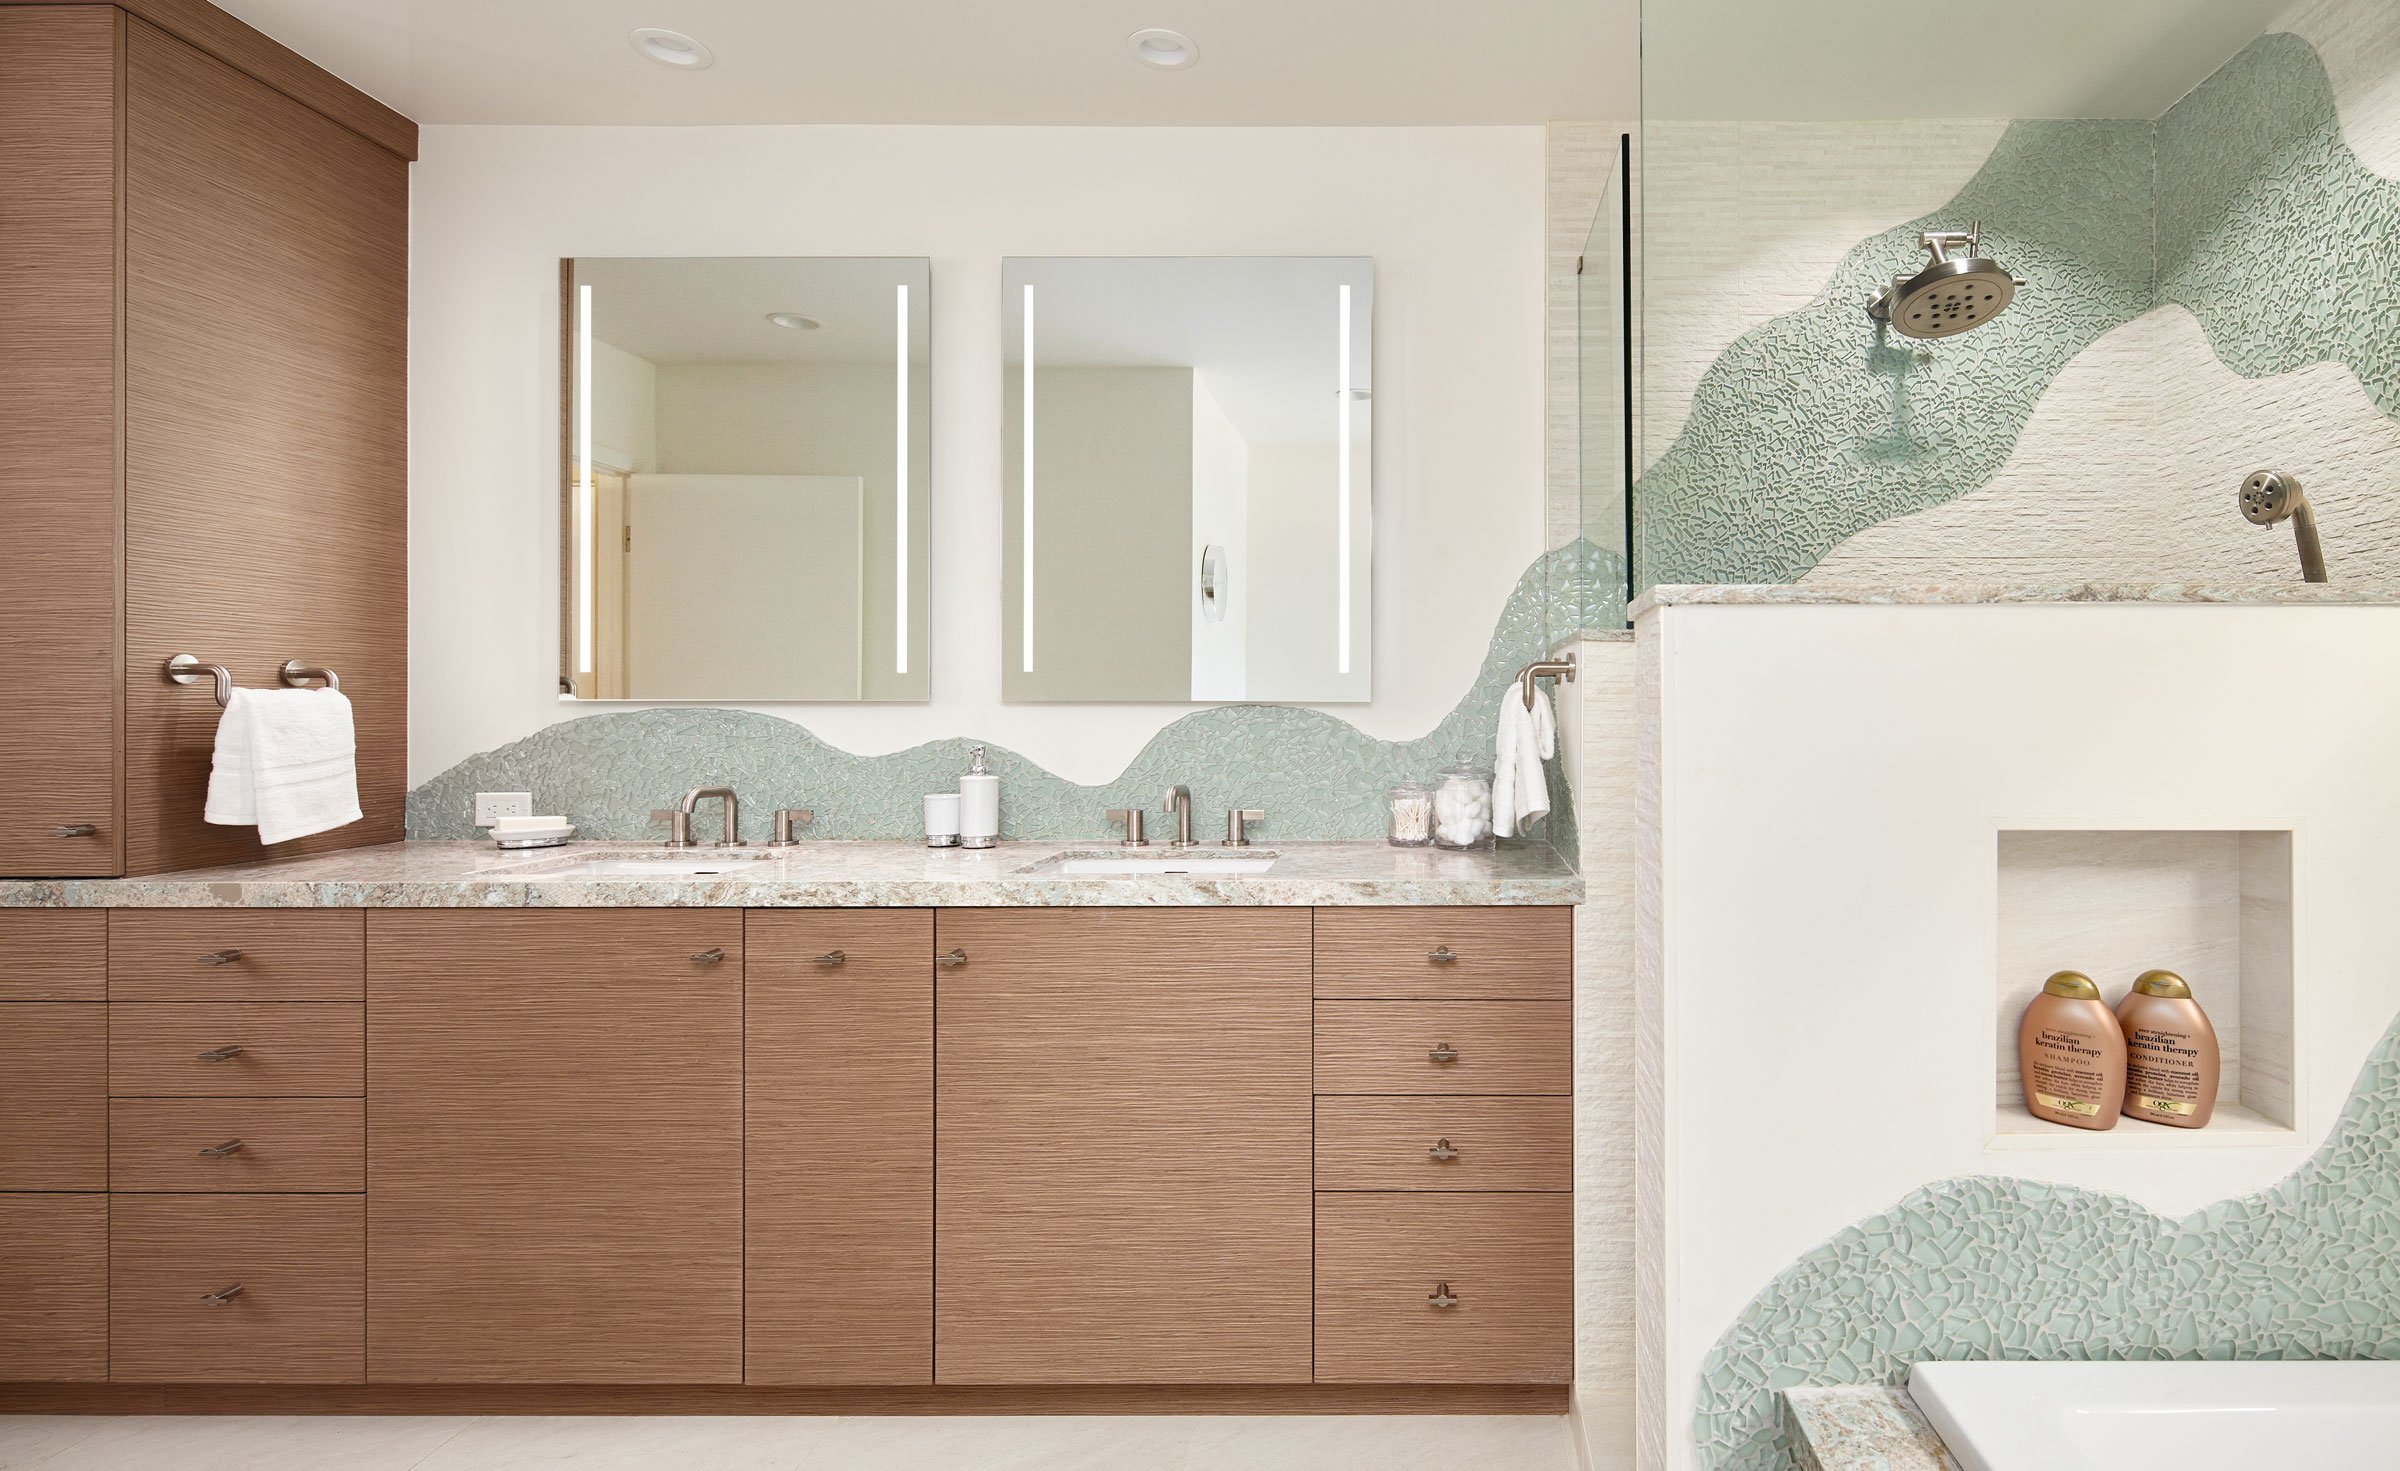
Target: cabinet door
[[838, 1127], [59, 654], [53, 1096], [554, 1146], [54, 1279], [1122, 1146]]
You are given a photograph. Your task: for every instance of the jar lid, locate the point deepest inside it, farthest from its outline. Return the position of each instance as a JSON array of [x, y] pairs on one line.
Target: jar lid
[[1465, 766], [2163, 983], [2072, 984], [1411, 789]]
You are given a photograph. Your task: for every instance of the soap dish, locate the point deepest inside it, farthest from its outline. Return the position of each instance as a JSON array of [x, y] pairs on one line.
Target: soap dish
[[519, 834]]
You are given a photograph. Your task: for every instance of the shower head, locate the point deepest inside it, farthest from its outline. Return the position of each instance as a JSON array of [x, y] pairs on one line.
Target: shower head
[[1952, 294], [2269, 496]]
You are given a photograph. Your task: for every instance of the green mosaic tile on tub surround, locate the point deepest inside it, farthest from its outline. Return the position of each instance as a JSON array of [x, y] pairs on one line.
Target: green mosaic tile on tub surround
[[1993, 1267], [1316, 775]]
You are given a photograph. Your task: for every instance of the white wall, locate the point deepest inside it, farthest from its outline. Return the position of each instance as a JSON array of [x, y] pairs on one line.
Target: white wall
[[1452, 216], [624, 409], [1220, 517], [1821, 955], [1293, 529]]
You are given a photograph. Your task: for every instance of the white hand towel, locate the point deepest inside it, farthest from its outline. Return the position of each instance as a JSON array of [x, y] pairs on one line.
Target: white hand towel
[[286, 760], [1525, 739]]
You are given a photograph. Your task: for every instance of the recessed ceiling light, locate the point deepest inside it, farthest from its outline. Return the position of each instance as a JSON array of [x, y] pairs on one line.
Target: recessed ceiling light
[[1169, 51], [672, 48], [795, 321]]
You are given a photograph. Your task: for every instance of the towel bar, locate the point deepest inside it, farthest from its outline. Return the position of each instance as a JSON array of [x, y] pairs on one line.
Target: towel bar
[[186, 669], [1545, 669]]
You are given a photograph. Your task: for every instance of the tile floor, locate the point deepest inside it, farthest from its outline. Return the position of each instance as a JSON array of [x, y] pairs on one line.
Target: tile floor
[[786, 1443]]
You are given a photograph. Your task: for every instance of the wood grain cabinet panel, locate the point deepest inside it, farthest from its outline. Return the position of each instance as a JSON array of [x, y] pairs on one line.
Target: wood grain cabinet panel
[[1445, 1144], [1386, 1262], [53, 954], [236, 1050], [298, 1260], [237, 955], [1499, 952], [54, 1282], [53, 1096], [59, 512], [1444, 1047], [838, 1143], [554, 1172], [1122, 1146], [237, 1145]]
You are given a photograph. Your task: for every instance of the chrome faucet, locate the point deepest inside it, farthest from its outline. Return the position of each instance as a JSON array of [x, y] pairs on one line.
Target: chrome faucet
[[733, 816], [1179, 802]]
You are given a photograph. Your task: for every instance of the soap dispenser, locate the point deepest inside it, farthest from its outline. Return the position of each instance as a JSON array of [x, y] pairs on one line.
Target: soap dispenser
[[978, 804]]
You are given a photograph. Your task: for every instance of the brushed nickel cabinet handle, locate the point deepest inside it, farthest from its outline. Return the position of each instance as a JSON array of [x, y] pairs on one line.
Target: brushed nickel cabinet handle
[[708, 957], [220, 957], [832, 958], [222, 1295], [76, 830], [1442, 955], [1442, 1296], [954, 959], [1442, 1052], [220, 1151], [221, 1054], [1443, 1149]]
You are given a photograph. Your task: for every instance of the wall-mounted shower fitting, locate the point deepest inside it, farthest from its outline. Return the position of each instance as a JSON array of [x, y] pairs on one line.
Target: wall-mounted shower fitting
[[1953, 294], [2269, 496]]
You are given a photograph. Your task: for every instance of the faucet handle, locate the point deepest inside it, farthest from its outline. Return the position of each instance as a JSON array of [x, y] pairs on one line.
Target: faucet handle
[[679, 825], [786, 819], [1237, 834], [1131, 817]]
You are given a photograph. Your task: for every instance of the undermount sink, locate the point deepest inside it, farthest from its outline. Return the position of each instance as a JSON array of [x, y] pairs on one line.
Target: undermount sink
[[651, 866], [1172, 865]]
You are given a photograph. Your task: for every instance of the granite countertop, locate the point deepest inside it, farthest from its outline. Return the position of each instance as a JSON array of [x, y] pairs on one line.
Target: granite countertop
[[1868, 1427], [1813, 594], [450, 875]]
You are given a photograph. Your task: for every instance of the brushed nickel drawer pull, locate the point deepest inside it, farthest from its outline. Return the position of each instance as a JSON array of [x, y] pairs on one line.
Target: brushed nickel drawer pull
[[1442, 1052], [221, 1054], [1442, 955], [220, 957], [222, 1295], [220, 1151], [76, 830], [708, 957], [832, 957], [954, 959], [1443, 1149], [1442, 1296]]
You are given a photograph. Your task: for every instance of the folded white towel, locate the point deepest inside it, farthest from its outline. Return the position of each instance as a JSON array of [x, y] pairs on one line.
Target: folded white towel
[[287, 761], [1525, 739]]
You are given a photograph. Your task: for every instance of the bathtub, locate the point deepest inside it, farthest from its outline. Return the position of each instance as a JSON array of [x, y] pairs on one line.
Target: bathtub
[[2322, 1416]]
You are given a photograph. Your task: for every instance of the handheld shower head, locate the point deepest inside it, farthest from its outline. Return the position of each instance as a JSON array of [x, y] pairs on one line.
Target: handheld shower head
[[2269, 496], [1954, 294]]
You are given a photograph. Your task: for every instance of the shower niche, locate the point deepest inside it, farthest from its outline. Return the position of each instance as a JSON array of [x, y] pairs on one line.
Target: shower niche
[[2215, 906]]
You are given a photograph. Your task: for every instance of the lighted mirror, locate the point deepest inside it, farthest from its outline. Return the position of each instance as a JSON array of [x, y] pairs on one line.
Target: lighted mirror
[[1188, 480], [743, 509]]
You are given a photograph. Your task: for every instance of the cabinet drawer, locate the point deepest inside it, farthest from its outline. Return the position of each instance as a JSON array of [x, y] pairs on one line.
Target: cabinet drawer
[[286, 1051], [300, 1261], [54, 1282], [1504, 1262], [1444, 1144], [294, 1145], [237, 955], [53, 1096], [1434, 954], [1444, 1047], [53, 955]]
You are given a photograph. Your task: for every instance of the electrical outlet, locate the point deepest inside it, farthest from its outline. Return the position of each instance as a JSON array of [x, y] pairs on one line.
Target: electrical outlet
[[490, 807]]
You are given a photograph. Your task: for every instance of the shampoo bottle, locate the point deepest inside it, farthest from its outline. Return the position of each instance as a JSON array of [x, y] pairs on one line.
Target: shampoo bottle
[[978, 805], [2072, 1055], [2170, 1052]]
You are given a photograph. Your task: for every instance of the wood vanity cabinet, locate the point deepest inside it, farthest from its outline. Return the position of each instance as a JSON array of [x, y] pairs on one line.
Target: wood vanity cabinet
[[53, 1132], [1123, 1105], [554, 1165], [203, 354]]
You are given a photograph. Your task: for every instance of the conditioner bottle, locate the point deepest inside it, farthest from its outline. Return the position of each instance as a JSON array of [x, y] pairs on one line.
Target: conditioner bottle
[[2072, 1055], [2170, 1052]]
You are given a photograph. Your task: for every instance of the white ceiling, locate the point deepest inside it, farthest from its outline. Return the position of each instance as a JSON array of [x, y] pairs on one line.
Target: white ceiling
[[1262, 62]]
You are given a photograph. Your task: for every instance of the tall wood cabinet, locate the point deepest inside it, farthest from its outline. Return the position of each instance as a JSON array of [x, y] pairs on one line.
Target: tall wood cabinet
[[203, 349]]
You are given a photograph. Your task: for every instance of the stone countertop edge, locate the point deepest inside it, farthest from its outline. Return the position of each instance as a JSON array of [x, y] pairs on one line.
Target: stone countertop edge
[[1810, 594], [823, 875], [1863, 1427]]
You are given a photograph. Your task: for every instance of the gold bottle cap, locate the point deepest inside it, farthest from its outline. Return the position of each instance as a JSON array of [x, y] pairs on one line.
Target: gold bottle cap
[[2073, 984], [2163, 983]]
